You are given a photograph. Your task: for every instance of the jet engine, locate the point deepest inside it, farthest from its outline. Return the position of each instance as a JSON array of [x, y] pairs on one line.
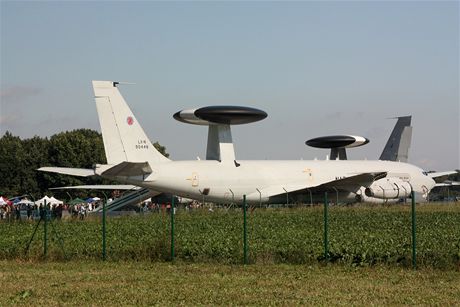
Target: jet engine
[[389, 188]]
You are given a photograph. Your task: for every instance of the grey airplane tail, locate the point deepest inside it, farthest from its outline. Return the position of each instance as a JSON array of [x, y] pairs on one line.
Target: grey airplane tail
[[397, 147]]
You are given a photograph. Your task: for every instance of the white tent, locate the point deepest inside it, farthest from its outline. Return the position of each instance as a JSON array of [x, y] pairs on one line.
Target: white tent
[[55, 201], [41, 201], [25, 201], [49, 201], [3, 201]]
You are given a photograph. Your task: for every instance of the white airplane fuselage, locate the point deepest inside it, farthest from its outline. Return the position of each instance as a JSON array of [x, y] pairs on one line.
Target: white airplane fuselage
[[224, 182]]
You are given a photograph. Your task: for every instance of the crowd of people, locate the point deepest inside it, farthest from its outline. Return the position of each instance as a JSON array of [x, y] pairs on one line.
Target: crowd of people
[[25, 209], [81, 210], [16, 209], [149, 206], [11, 211]]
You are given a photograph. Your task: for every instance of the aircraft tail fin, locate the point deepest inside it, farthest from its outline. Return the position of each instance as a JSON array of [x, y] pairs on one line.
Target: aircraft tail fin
[[397, 147], [124, 138]]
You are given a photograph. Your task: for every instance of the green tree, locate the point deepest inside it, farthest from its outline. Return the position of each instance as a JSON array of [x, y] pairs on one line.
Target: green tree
[[35, 156], [11, 161], [20, 159], [82, 148], [161, 149], [78, 148]]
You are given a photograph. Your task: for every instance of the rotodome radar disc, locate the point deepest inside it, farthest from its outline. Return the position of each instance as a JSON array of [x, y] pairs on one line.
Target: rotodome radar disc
[[228, 115]]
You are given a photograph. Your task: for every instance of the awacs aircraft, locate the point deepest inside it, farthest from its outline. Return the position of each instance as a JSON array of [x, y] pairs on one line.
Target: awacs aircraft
[[222, 178]]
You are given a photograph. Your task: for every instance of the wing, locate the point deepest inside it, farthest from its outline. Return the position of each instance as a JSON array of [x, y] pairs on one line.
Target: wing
[[351, 184], [447, 184], [436, 175]]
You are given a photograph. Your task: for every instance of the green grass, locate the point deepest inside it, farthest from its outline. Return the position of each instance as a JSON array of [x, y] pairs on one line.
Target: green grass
[[358, 236], [147, 283]]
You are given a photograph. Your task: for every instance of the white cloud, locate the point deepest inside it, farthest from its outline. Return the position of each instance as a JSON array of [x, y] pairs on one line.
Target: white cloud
[[18, 94], [6, 120]]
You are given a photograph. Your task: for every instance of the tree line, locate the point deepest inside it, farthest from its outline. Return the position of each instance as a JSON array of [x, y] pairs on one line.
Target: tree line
[[20, 159]]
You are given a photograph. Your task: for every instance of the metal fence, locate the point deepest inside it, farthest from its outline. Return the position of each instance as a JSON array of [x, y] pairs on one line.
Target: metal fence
[[357, 235]]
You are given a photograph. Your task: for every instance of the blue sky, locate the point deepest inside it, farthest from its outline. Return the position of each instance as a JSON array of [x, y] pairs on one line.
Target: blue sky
[[316, 68]]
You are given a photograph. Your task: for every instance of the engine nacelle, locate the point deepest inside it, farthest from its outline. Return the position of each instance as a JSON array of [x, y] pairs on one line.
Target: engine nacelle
[[389, 188], [374, 200]]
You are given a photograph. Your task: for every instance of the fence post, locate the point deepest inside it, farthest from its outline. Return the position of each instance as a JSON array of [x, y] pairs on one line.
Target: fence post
[[45, 230], [104, 253], [172, 228], [245, 236], [326, 229], [414, 233]]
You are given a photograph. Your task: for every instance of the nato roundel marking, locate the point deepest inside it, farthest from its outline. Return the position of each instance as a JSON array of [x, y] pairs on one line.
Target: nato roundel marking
[[337, 141], [229, 115]]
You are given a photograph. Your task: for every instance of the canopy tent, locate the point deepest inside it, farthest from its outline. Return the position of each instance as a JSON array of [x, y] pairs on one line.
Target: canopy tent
[[42, 201], [4, 201], [25, 201], [16, 200], [55, 201], [49, 201]]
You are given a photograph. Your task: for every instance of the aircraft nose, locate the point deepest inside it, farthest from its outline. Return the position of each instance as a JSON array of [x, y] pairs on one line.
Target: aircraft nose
[[431, 183]]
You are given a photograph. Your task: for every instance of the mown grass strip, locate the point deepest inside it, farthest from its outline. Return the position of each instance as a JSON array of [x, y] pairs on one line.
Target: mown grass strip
[[147, 283]]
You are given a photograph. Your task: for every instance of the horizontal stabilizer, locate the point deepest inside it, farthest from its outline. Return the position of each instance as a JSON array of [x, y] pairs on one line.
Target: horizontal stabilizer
[[100, 187], [81, 172], [129, 169]]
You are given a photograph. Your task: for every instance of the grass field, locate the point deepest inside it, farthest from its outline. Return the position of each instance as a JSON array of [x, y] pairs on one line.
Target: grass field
[[370, 251], [358, 236], [147, 283]]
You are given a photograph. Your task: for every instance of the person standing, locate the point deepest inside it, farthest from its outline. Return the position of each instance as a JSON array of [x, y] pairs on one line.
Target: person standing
[[17, 210], [29, 211]]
